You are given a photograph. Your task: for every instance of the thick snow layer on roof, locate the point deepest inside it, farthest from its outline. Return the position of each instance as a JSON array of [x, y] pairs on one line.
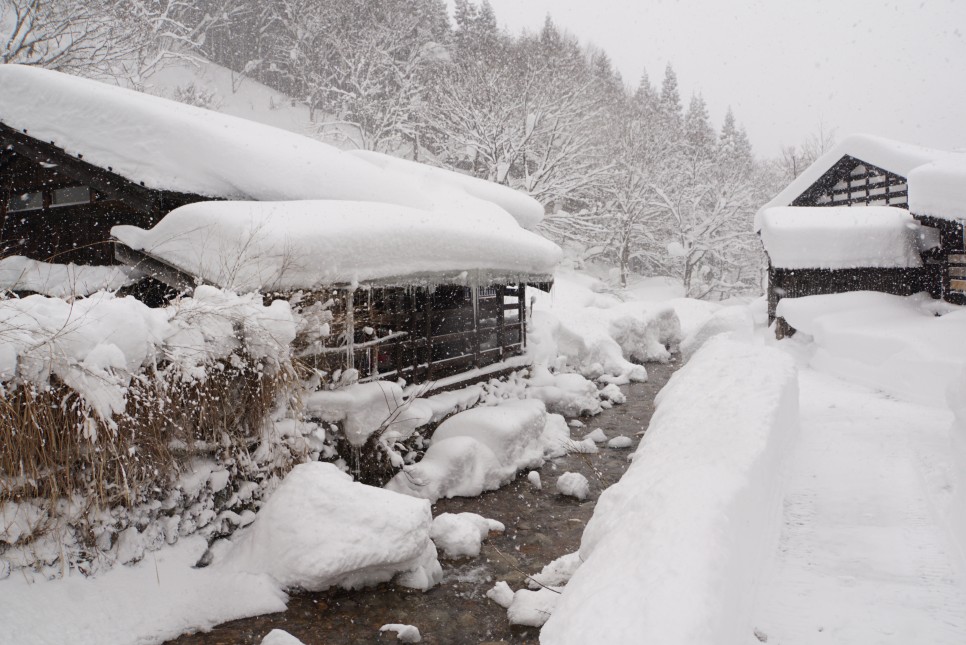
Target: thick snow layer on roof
[[172, 146], [894, 156], [18, 273], [177, 147], [247, 246], [525, 209], [840, 237], [938, 189]]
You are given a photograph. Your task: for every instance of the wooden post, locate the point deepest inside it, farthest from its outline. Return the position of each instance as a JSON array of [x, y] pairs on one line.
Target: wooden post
[[350, 329], [523, 315], [429, 334], [501, 319], [475, 297]]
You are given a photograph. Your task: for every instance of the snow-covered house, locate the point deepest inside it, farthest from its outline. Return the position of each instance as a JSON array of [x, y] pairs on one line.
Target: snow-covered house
[[410, 270], [907, 238]]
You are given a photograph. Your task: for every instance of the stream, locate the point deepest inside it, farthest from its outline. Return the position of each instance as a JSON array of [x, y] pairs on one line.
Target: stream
[[541, 525]]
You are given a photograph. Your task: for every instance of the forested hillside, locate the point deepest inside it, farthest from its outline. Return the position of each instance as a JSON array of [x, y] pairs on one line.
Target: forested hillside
[[630, 173]]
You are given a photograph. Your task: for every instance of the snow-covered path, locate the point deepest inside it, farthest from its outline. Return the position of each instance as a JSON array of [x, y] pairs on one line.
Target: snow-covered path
[[861, 558]]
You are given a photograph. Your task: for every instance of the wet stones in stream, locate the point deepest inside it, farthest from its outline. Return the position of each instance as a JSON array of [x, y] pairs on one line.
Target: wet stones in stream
[[541, 525]]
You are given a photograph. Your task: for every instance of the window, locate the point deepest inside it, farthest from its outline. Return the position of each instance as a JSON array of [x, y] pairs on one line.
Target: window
[[25, 202], [70, 196]]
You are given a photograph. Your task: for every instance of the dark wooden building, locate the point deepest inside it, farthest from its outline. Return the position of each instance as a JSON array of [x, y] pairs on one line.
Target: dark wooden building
[[93, 157], [869, 171]]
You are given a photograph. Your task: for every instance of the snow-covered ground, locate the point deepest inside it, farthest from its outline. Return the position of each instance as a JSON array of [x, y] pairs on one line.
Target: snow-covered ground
[[863, 555]]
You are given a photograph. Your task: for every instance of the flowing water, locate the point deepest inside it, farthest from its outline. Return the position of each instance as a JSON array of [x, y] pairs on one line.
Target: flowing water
[[541, 526]]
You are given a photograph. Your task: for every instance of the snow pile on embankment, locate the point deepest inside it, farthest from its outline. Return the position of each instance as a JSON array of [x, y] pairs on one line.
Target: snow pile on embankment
[[320, 529], [580, 327], [482, 449], [672, 552], [893, 343]]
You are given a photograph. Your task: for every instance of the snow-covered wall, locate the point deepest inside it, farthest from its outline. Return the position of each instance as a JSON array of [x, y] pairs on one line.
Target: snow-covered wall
[[841, 237], [672, 552]]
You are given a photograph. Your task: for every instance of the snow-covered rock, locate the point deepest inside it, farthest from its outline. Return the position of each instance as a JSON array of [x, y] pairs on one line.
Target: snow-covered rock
[[620, 442], [574, 485], [534, 478], [404, 633], [460, 535], [532, 608], [597, 435], [320, 529], [482, 449], [501, 594], [571, 395], [280, 637], [557, 573]]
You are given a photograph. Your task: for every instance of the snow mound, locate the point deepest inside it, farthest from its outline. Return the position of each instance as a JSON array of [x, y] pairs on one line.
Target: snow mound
[[571, 395], [461, 534], [573, 485], [404, 633], [482, 449], [652, 338], [586, 446], [534, 478], [533, 608], [280, 637], [893, 343], [320, 529], [501, 594], [737, 321], [364, 408], [597, 435], [18, 273], [620, 442], [694, 511], [557, 573]]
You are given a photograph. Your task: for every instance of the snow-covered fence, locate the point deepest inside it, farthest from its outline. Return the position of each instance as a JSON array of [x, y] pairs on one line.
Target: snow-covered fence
[[672, 552]]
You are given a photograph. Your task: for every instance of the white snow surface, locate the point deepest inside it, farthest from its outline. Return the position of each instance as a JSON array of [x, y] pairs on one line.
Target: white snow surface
[[573, 485], [460, 535], [159, 599], [557, 573], [840, 237], [404, 633], [321, 529], [280, 637], [939, 188], [895, 156], [533, 608], [863, 555], [894, 343], [482, 449], [672, 552], [264, 245], [364, 408], [620, 442], [501, 594], [18, 273], [525, 209]]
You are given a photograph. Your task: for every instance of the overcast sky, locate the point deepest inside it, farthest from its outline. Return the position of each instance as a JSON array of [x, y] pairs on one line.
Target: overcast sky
[[895, 68]]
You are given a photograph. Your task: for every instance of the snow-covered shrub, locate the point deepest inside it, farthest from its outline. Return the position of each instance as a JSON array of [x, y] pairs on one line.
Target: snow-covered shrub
[[107, 403]]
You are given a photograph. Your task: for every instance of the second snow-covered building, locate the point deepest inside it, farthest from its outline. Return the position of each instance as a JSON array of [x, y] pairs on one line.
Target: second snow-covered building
[[907, 237]]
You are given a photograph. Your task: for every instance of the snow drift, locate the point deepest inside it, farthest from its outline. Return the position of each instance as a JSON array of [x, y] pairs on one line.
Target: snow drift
[[672, 552]]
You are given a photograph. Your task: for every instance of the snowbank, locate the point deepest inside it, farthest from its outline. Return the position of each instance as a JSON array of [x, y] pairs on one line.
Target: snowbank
[[893, 343], [956, 505], [672, 552], [482, 449], [18, 273], [320, 529], [939, 189], [283, 246], [841, 237]]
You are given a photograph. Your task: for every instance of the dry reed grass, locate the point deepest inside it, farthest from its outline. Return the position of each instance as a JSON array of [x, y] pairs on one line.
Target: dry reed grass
[[53, 447]]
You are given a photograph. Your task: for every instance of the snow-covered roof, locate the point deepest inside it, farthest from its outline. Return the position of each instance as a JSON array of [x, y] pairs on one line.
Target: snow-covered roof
[[840, 237], [284, 246], [939, 188], [894, 156], [176, 147]]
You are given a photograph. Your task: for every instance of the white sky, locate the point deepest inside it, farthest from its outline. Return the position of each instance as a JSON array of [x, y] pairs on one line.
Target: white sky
[[896, 68]]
